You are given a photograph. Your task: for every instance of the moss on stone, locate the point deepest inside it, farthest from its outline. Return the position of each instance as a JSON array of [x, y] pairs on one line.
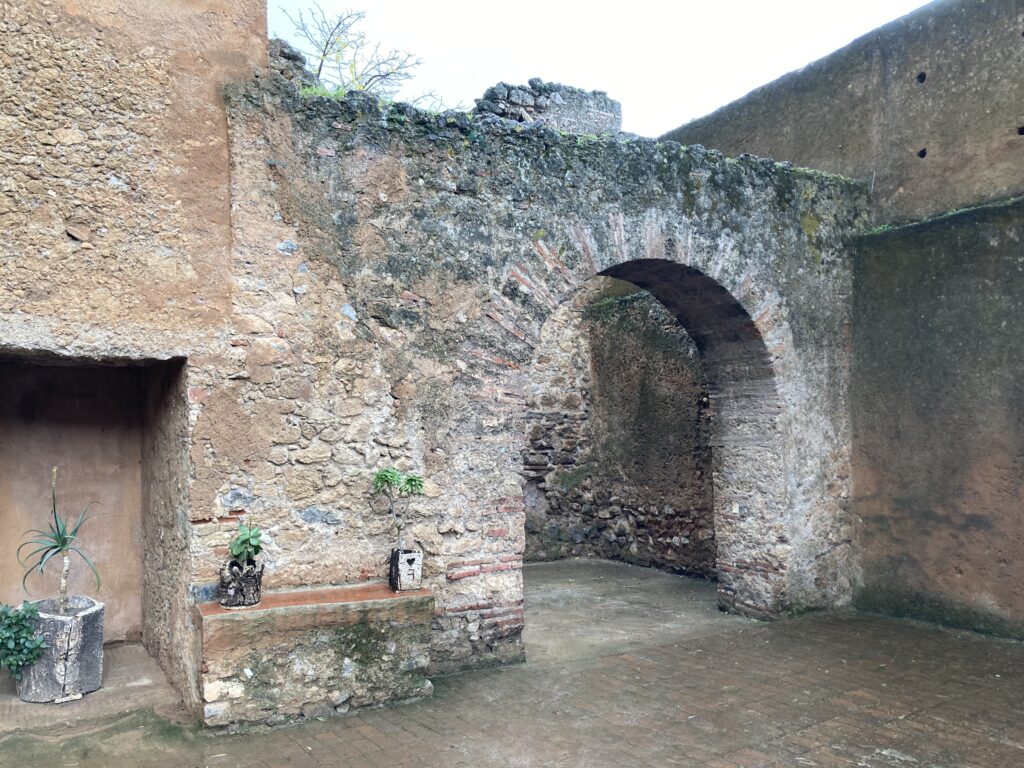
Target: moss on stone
[[810, 224], [360, 641], [150, 732], [571, 479], [892, 601], [979, 211]]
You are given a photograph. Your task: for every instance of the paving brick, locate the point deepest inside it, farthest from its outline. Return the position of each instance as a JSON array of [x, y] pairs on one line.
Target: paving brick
[[821, 691]]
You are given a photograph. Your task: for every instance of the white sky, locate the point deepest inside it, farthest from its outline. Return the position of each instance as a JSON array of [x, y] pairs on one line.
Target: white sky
[[666, 62]]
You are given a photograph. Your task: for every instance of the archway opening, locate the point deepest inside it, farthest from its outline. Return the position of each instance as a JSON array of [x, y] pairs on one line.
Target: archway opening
[[653, 435], [618, 457]]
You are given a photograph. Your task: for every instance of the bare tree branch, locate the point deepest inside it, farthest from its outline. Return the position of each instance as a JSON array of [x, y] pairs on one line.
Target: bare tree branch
[[330, 39], [342, 58]]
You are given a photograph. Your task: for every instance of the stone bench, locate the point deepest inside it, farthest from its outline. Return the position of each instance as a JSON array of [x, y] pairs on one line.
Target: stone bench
[[313, 653]]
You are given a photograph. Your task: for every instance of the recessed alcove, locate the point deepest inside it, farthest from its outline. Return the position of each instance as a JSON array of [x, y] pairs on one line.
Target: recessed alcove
[[116, 431]]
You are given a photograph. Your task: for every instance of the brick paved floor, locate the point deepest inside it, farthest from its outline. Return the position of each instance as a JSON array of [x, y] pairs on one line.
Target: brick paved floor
[[132, 680], [693, 689]]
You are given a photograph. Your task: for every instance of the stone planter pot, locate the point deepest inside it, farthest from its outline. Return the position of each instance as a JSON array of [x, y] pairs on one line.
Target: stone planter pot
[[240, 585], [72, 665], [406, 571]]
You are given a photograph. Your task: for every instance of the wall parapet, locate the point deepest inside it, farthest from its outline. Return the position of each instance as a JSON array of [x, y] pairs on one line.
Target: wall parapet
[[563, 107]]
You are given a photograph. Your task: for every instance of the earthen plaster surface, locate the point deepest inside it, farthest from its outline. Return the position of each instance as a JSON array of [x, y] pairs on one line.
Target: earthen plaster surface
[[925, 109]]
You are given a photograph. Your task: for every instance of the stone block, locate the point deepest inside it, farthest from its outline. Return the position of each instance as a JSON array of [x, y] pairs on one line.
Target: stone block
[[314, 653]]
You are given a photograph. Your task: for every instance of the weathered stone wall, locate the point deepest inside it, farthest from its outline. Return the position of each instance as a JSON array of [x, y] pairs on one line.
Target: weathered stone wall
[[618, 461], [115, 201], [168, 630], [395, 269], [925, 109], [937, 400], [363, 287], [555, 105], [314, 654], [113, 142]]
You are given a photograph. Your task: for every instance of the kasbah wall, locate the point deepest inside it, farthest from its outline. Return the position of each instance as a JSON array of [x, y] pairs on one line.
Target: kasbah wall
[[926, 110], [333, 287]]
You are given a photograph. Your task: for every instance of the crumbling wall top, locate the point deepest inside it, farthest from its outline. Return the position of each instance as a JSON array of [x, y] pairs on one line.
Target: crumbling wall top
[[561, 106], [539, 103]]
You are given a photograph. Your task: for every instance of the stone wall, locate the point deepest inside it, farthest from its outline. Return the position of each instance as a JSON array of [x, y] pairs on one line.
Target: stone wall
[[348, 286], [314, 654], [167, 605], [555, 105], [925, 109], [937, 402], [394, 271], [618, 461], [115, 205], [113, 139]]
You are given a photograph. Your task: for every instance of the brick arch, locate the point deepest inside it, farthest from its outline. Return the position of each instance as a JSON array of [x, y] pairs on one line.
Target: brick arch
[[749, 491], [412, 264]]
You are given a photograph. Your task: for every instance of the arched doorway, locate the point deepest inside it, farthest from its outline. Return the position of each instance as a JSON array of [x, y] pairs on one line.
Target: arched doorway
[[664, 446], [618, 454]]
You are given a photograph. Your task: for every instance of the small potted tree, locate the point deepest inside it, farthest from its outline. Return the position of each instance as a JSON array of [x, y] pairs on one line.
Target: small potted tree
[[241, 581], [406, 568], [71, 627]]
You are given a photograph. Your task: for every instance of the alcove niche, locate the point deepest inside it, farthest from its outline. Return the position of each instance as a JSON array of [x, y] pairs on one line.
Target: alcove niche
[[117, 432]]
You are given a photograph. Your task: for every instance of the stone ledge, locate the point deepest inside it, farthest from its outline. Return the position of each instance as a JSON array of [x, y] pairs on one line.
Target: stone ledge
[[313, 653], [317, 596]]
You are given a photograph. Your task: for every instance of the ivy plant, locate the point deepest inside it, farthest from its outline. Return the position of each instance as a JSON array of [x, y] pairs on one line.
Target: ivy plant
[[246, 544], [397, 486], [20, 647]]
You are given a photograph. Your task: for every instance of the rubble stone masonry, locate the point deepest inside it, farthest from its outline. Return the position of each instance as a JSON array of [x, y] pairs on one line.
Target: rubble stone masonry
[[345, 285]]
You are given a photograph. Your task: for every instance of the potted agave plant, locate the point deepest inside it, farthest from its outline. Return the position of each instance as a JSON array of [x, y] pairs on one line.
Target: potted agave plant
[[241, 578], [71, 626], [406, 567]]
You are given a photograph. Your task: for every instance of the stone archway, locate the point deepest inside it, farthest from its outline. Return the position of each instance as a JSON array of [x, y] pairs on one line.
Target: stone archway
[[427, 258], [583, 497], [748, 481]]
